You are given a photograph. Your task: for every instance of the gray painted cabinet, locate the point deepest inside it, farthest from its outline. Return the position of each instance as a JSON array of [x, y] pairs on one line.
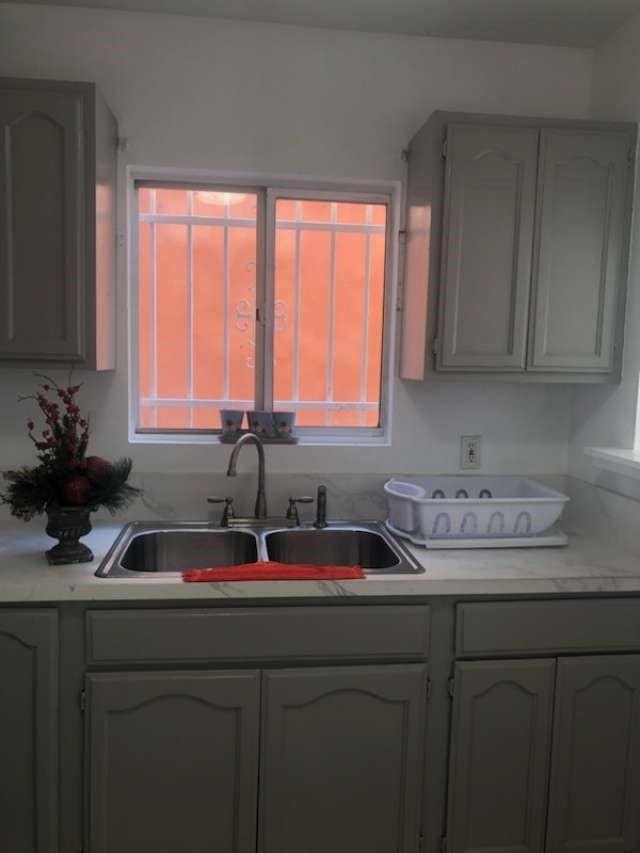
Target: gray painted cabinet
[[580, 249], [537, 752], [490, 189], [517, 248], [57, 231], [501, 735], [342, 757], [28, 731], [594, 801], [172, 761]]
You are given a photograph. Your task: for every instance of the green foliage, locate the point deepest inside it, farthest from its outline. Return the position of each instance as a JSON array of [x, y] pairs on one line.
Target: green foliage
[[31, 491], [110, 489]]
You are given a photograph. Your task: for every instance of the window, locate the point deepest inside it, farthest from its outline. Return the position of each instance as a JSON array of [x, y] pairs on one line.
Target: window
[[254, 297]]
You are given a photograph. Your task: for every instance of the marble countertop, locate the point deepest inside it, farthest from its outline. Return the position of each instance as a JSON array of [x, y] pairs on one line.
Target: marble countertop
[[603, 556]]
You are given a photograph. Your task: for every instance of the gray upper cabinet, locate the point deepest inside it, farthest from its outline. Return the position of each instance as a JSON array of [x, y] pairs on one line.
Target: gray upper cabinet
[[595, 779], [490, 191], [172, 762], [501, 734], [517, 248], [28, 731], [580, 251], [342, 752], [57, 231]]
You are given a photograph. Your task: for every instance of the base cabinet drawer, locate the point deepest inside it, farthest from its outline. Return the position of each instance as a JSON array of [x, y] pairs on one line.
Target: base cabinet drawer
[[376, 633], [493, 629]]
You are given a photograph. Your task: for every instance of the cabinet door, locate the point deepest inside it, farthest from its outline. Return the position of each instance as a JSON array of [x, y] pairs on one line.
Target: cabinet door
[[28, 731], [341, 759], [580, 252], [501, 734], [595, 778], [173, 762], [42, 241], [488, 237]]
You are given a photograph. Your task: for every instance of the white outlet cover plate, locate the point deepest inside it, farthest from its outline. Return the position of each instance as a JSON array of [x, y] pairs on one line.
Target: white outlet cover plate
[[465, 442]]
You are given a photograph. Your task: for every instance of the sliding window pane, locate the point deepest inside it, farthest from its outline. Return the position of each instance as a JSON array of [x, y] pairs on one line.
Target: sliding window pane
[[196, 306], [329, 285]]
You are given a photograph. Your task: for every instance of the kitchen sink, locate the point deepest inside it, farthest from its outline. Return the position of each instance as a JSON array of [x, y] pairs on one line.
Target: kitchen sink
[[144, 550], [141, 551], [344, 547]]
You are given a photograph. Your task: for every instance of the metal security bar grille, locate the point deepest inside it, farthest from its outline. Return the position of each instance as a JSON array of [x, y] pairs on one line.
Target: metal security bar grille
[[198, 298], [329, 289]]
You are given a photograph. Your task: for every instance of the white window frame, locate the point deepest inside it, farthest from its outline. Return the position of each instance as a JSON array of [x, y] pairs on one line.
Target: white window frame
[[269, 188]]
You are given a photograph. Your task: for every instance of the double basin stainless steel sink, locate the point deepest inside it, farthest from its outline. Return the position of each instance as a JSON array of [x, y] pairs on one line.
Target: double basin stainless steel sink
[[143, 550]]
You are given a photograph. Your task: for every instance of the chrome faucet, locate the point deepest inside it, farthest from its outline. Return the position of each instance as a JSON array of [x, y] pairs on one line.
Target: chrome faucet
[[260, 510]]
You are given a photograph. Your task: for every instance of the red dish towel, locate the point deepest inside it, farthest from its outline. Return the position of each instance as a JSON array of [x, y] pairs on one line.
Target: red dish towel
[[272, 571]]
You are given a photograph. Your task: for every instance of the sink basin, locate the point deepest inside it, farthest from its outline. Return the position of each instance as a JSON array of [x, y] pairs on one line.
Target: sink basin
[[147, 549], [328, 547], [174, 550]]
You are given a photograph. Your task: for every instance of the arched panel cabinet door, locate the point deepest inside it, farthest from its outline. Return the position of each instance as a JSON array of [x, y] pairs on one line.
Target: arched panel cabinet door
[[594, 802], [57, 231], [341, 758], [581, 249], [172, 762], [501, 734], [28, 731], [41, 187], [490, 186]]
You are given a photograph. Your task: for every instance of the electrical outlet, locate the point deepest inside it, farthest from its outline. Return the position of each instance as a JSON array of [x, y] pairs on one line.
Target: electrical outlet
[[470, 451]]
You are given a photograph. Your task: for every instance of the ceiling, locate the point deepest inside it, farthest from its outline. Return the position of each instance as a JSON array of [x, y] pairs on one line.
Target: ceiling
[[576, 23]]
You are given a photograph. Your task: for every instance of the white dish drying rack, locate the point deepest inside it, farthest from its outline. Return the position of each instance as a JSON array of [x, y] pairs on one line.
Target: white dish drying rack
[[475, 511]]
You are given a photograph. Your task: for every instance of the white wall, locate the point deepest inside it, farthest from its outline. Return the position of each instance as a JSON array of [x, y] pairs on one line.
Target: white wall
[[607, 416], [228, 95]]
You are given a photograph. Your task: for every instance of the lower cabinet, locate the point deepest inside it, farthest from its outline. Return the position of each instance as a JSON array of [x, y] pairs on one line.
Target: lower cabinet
[[173, 760], [545, 756], [28, 731], [594, 802], [342, 757], [501, 736]]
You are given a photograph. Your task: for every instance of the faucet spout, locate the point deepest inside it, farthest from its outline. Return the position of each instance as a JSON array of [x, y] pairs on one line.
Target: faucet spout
[[251, 438]]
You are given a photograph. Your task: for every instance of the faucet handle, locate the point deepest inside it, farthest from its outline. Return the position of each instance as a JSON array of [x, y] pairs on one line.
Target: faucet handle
[[228, 511], [292, 511]]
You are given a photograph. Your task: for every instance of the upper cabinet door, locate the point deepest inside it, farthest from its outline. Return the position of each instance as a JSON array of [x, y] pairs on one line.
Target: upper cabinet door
[[581, 249], [490, 187], [41, 224], [341, 759], [595, 779]]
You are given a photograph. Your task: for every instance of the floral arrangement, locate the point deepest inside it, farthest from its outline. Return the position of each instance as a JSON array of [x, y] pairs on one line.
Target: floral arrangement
[[65, 475]]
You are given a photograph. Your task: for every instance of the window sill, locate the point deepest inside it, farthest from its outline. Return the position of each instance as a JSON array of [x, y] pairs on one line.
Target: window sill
[[303, 440], [619, 461]]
